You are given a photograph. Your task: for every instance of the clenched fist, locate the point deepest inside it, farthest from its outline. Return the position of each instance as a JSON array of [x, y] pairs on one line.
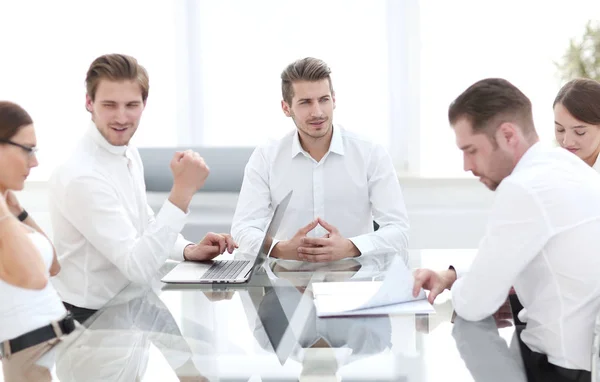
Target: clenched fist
[[189, 170], [189, 174]]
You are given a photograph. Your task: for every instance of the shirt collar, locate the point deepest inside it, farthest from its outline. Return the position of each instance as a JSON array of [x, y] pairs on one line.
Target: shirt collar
[[296, 147], [335, 146], [337, 143], [529, 155], [596, 165], [97, 137]]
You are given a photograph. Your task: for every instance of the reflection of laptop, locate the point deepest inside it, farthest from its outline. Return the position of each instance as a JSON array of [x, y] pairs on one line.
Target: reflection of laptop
[[283, 328], [228, 271]]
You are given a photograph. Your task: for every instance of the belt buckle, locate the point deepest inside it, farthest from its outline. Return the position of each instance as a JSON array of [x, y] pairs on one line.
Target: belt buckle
[[5, 350], [69, 323], [64, 326]]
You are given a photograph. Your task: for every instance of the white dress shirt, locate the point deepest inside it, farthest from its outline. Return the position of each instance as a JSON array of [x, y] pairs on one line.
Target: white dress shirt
[[597, 164], [23, 310], [105, 233], [352, 185], [542, 237]]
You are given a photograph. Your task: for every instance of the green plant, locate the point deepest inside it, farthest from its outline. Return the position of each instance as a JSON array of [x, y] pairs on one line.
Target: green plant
[[582, 58]]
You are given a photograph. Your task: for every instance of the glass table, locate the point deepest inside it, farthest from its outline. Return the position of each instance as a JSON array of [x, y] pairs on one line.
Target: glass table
[[268, 330]]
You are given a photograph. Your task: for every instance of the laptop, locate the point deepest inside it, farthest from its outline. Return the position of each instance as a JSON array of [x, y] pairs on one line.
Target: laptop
[[283, 328], [228, 271]]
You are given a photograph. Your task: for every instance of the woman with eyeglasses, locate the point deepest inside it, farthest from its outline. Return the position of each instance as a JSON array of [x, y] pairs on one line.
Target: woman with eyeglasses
[[577, 119], [32, 316]]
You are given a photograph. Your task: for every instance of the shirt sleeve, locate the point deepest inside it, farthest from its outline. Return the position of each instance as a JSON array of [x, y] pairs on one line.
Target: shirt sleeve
[[254, 204], [180, 244], [93, 206], [387, 206], [460, 271], [517, 231]]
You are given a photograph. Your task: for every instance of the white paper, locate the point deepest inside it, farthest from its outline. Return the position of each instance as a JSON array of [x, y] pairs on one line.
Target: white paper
[[411, 307], [371, 297]]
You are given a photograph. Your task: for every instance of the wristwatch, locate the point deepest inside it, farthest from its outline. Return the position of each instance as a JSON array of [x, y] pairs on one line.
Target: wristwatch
[[23, 215]]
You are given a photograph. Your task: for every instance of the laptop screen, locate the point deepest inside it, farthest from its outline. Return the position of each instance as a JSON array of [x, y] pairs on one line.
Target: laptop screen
[[276, 325], [263, 250]]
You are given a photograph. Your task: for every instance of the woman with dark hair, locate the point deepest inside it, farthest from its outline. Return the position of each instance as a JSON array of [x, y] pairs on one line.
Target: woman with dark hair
[[577, 119], [32, 316]]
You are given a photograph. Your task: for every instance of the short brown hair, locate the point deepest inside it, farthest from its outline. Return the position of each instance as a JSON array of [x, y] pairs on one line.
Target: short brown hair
[[116, 67], [581, 98], [12, 118], [488, 103], [306, 69]]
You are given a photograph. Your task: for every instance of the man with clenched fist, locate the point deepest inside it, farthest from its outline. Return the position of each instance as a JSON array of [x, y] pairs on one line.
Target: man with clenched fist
[[105, 233]]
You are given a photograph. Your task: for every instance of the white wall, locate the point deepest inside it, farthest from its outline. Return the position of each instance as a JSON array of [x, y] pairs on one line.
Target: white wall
[[444, 213]]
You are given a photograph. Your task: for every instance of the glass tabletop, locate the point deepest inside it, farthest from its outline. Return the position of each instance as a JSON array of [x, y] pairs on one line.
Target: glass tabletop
[[268, 330]]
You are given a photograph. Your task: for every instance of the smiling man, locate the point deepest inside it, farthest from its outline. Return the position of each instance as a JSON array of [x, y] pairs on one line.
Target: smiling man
[[105, 233], [341, 181]]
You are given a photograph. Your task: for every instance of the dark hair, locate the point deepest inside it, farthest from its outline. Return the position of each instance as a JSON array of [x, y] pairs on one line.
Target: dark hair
[[116, 67], [307, 69], [12, 118], [581, 98], [489, 102]]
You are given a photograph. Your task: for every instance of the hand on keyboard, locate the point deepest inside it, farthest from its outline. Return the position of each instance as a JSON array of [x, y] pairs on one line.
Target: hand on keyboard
[[211, 246]]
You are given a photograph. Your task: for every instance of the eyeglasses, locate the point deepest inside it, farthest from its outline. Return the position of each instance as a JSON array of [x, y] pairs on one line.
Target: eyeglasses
[[31, 151]]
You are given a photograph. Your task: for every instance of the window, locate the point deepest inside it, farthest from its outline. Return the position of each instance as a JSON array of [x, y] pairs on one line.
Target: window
[[245, 45], [463, 41], [214, 66], [46, 54]]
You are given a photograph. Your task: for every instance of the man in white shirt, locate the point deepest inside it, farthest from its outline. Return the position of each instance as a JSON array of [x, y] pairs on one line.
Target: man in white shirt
[[542, 237], [105, 233], [341, 182]]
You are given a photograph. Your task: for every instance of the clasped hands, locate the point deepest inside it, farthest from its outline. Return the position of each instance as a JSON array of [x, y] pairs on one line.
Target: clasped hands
[[331, 247]]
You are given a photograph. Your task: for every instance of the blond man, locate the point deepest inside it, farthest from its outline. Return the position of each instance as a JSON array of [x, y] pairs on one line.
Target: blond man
[[105, 233]]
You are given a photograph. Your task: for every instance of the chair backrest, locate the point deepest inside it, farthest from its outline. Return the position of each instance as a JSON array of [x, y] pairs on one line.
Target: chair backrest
[[596, 351], [226, 165]]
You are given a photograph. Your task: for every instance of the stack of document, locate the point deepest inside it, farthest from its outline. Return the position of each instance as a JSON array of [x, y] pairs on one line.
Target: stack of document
[[367, 298]]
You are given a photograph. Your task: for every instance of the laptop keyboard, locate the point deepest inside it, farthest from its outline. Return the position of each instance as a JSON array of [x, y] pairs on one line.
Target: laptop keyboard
[[225, 269]]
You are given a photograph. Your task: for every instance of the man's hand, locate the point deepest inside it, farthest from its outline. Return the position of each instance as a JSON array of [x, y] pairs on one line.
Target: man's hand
[[216, 295], [434, 282], [189, 174], [13, 203], [208, 248], [189, 373], [504, 315], [191, 378], [330, 248], [288, 249]]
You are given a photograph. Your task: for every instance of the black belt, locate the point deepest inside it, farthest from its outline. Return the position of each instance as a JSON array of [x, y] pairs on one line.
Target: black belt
[[572, 374], [541, 361], [37, 336]]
